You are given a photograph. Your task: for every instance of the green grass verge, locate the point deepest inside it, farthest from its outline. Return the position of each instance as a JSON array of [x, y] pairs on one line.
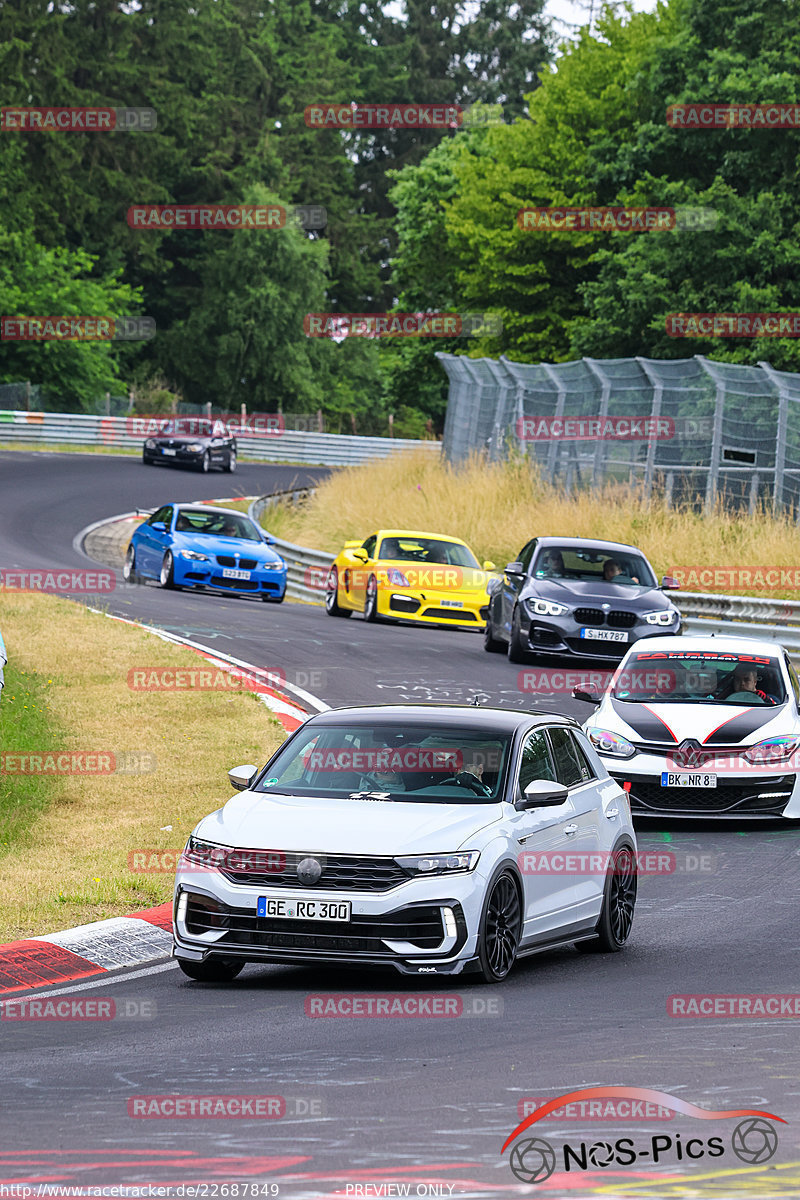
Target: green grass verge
[[27, 726]]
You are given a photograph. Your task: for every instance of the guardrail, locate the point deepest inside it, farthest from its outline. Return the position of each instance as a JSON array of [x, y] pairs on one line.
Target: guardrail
[[297, 446], [304, 567], [702, 612]]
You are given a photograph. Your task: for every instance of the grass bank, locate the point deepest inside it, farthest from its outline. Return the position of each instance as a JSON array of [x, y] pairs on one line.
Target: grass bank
[[65, 861], [497, 508]]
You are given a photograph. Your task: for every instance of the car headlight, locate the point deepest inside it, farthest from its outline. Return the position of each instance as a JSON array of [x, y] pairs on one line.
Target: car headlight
[[606, 742], [150, 444], [193, 555], [774, 749], [195, 447], [199, 853], [545, 608], [440, 864], [664, 616], [396, 578]]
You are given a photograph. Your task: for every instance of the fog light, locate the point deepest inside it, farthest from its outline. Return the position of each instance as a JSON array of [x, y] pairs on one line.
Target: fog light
[[450, 926], [182, 905]]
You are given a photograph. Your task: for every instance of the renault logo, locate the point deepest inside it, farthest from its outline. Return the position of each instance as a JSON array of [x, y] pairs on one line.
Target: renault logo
[[689, 753], [309, 871]]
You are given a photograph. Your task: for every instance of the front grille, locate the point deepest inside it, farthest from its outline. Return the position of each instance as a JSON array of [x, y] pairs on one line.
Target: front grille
[[738, 797], [239, 585], [590, 616], [244, 564], [453, 614], [422, 926], [621, 620], [340, 873]]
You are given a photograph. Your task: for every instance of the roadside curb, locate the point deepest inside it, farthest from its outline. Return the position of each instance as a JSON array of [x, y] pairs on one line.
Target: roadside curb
[[87, 950]]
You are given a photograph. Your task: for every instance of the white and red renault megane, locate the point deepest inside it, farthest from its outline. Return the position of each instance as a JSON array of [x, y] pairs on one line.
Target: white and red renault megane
[[702, 726]]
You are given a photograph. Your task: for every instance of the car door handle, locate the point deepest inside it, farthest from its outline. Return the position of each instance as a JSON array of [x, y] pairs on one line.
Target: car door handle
[[569, 830], [611, 813]]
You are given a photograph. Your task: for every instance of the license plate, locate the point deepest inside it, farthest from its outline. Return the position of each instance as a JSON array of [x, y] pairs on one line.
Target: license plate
[[172, 452], [229, 573], [452, 604], [687, 779], [604, 635], [304, 910]]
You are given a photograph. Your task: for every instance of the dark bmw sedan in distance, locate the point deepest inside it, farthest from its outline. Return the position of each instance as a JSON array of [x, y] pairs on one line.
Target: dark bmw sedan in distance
[[191, 442], [577, 596]]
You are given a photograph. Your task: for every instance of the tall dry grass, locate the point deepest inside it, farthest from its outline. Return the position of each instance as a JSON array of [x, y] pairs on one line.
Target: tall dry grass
[[496, 508]]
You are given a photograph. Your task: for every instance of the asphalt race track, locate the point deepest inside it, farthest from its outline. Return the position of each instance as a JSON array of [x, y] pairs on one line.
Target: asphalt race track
[[374, 1102]]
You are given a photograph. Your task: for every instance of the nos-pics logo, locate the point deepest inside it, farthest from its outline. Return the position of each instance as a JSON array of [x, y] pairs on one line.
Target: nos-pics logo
[[534, 1159]]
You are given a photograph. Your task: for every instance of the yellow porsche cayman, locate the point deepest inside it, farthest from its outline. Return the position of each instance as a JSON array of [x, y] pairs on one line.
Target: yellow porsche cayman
[[403, 575]]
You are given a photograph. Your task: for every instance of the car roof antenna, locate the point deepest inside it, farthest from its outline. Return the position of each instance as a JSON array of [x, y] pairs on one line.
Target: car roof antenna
[[478, 699]]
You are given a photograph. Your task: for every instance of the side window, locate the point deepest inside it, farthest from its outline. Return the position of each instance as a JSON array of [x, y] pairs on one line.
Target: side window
[[571, 769], [369, 545], [535, 761], [794, 680], [583, 758], [527, 554], [162, 514]]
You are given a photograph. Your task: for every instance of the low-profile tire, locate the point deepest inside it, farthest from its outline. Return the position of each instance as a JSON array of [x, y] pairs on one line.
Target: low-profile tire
[[332, 606], [500, 931], [619, 902], [490, 643], [231, 467], [213, 970], [129, 572], [517, 652], [205, 463], [167, 574], [371, 600], [148, 462]]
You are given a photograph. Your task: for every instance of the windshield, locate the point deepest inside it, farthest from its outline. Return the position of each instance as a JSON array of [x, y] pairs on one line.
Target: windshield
[[198, 520], [426, 550], [592, 566], [386, 761], [699, 678]]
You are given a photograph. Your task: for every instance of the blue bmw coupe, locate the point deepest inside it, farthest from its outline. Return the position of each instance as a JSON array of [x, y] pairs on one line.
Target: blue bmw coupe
[[195, 546]]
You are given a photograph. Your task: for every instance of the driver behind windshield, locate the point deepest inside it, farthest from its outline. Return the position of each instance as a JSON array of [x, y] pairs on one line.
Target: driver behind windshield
[[744, 678], [552, 565], [611, 569]]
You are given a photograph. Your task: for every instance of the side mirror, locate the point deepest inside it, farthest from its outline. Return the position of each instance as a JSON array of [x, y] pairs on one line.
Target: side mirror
[[514, 568], [360, 555], [159, 526], [240, 777], [489, 565], [267, 539], [351, 545], [587, 697], [670, 584], [543, 793]]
